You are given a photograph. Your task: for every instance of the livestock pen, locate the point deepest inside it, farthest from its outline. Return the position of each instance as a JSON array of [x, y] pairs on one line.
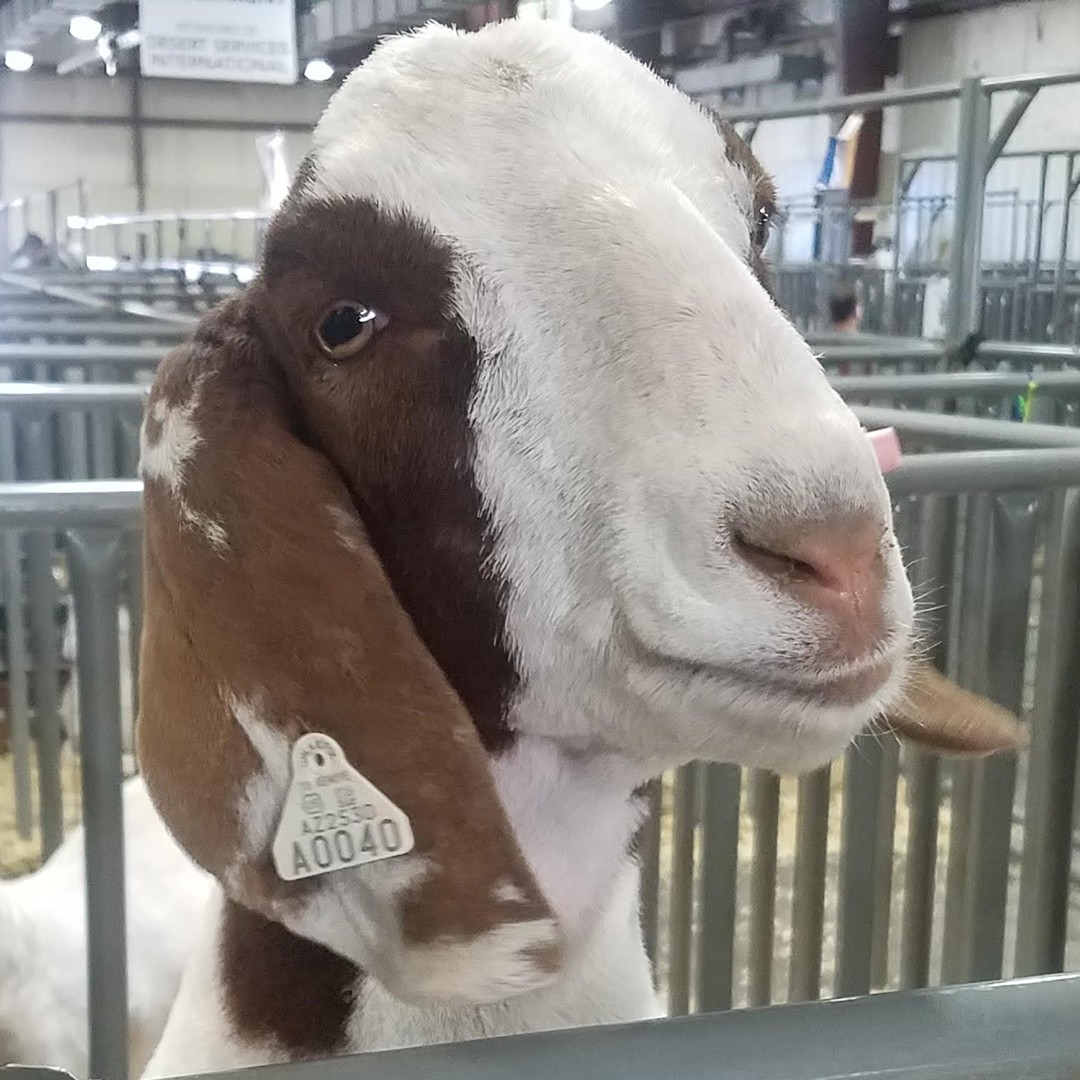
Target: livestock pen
[[888, 871]]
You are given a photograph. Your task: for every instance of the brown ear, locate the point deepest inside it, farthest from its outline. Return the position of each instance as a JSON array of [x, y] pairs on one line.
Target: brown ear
[[939, 715], [267, 616]]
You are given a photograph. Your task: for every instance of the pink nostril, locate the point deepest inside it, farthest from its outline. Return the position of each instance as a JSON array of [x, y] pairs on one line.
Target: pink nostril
[[835, 567]]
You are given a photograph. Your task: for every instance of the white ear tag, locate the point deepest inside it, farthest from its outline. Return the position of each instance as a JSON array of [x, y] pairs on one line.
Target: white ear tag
[[333, 817]]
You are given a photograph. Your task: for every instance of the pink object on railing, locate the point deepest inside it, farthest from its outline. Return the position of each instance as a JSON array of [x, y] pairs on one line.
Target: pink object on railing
[[886, 446]]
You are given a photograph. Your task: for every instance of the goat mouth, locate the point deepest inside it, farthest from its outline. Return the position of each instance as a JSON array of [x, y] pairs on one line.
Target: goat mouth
[[845, 686]]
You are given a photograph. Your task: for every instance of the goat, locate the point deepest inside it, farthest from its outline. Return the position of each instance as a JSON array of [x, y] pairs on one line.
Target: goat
[[43, 1010], [504, 487]]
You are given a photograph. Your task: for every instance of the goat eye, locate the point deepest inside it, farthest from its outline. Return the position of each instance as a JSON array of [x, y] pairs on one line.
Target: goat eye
[[762, 224], [346, 328]]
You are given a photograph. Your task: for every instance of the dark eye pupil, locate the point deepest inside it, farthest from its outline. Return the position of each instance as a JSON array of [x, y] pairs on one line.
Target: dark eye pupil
[[761, 232], [343, 324]]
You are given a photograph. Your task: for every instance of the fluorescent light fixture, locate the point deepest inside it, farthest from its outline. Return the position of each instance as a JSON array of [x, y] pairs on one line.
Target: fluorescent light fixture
[[84, 28], [17, 60], [591, 5], [318, 71]]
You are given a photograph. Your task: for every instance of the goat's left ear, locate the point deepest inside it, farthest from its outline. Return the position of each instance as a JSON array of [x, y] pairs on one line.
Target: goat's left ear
[[296, 735], [940, 716]]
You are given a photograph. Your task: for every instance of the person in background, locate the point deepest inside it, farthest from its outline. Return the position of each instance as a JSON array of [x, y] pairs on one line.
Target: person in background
[[32, 254], [845, 313]]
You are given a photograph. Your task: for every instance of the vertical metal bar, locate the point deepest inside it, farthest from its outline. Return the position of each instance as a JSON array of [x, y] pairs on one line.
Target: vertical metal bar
[[854, 919], [103, 442], [965, 255], [134, 599], [74, 440], [719, 868], [95, 560], [13, 594], [1007, 584], [650, 864], [1051, 780], [808, 888], [883, 861], [1036, 258], [18, 687], [37, 441], [936, 551], [1061, 271], [764, 796], [971, 618], [680, 929]]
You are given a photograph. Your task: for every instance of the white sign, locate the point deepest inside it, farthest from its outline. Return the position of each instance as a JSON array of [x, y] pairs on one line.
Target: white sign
[[251, 41]]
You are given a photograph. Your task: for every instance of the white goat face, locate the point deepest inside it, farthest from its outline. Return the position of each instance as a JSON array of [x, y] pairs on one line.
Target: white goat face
[[690, 541]]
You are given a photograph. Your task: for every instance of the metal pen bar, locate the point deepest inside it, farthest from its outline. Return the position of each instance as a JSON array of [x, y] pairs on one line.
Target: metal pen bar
[[1051, 781], [75, 433], [985, 470], [17, 659], [931, 568], [650, 863], [60, 504], [854, 919], [103, 329], [1006, 589], [985, 385], [87, 355], [680, 914], [971, 163], [57, 396], [971, 671], [95, 558], [764, 803], [42, 594], [718, 872], [885, 813], [964, 432], [808, 888]]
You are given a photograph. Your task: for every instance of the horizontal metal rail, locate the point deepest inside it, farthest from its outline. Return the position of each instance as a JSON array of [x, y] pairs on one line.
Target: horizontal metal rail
[[965, 384], [880, 99], [104, 328], [61, 503], [986, 470], [964, 432], [119, 502], [30, 395], [85, 298], [869, 348], [1003, 1030], [65, 353]]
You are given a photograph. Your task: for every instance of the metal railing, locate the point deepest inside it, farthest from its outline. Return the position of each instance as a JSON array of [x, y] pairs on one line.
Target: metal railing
[[1001, 1031], [788, 909], [1040, 306]]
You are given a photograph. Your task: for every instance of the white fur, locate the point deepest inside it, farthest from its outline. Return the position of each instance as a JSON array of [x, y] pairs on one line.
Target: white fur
[[638, 388], [166, 457], [43, 1011], [575, 821], [639, 395]]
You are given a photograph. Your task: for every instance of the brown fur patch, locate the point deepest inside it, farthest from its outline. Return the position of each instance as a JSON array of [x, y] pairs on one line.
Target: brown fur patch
[[313, 989], [764, 204], [318, 632]]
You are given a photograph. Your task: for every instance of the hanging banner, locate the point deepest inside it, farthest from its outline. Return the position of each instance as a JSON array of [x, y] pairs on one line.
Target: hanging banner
[[251, 41]]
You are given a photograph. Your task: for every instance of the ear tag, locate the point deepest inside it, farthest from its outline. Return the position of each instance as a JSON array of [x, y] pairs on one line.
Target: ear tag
[[334, 818]]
